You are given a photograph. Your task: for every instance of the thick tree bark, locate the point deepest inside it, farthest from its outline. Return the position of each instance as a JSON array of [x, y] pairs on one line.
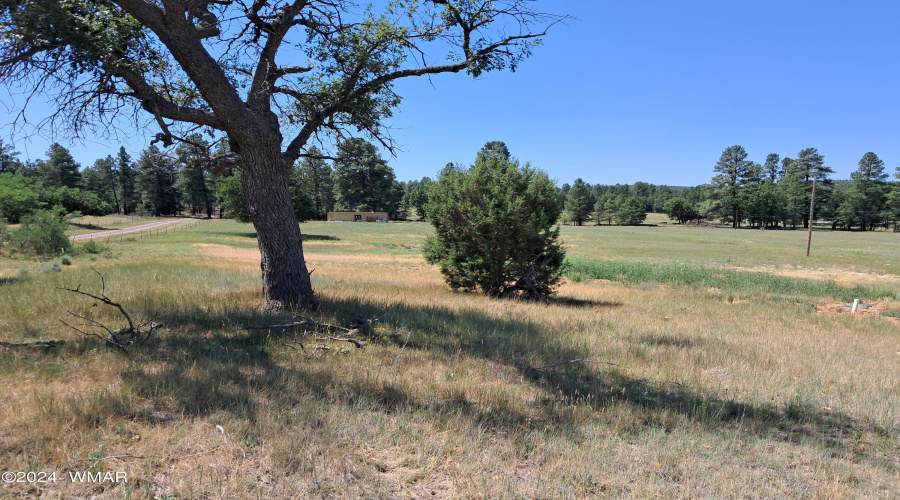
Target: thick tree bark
[[286, 282]]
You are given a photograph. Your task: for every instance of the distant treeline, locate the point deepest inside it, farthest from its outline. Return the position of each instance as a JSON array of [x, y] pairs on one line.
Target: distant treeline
[[197, 177], [775, 194], [622, 204]]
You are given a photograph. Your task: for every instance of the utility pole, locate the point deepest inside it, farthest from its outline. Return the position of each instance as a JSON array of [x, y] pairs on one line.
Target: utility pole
[[812, 208]]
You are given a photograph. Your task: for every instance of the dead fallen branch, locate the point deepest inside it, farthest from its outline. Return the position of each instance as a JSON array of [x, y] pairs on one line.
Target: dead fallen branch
[[579, 360], [355, 342], [360, 325], [292, 343], [114, 338], [33, 343]]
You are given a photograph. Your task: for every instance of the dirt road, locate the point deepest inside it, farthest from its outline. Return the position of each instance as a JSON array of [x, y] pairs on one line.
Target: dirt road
[[128, 230]]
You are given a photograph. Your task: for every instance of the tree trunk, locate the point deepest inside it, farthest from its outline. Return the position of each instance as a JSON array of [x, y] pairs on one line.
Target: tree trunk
[[286, 282]]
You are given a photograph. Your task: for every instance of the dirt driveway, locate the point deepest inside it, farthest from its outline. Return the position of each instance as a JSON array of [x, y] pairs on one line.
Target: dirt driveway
[[133, 229]]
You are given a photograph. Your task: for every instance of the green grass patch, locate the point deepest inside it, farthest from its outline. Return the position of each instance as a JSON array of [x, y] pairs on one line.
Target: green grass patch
[[579, 269]]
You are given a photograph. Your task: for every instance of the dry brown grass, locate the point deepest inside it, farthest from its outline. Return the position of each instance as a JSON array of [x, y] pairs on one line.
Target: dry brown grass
[[705, 397]]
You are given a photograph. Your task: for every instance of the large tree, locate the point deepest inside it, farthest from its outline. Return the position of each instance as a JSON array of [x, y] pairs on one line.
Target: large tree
[[195, 182], [680, 209], [810, 165], [869, 191], [318, 177], [631, 212], [772, 169], [126, 174], [417, 195], [102, 180], [734, 171], [892, 203], [19, 196], [156, 183], [363, 180], [579, 202], [60, 169], [220, 64], [9, 161]]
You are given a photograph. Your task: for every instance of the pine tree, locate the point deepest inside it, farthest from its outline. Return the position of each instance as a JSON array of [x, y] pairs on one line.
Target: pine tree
[[60, 169], [195, 183], [892, 205], [793, 193], [318, 177], [764, 204], [734, 172], [579, 202], [156, 183], [631, 212], [772, 169], [102, 179], [495, 227], [869, 191], [363, 181], [607, 206], [127, 190], [417, 193], [810, 164], [9, 161]]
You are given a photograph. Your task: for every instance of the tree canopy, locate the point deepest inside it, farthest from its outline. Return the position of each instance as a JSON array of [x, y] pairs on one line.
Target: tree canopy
[[224, 66]]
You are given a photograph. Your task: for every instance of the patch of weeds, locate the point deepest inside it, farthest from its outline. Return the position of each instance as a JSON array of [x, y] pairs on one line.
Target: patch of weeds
[[65, 260], [782, 299], [396, 246], [892, 313], [579, 269], [91, 247], [24, 272], [51, 267]]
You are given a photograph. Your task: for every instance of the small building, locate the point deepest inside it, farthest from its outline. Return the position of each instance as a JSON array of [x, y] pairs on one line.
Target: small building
[[356, 217]]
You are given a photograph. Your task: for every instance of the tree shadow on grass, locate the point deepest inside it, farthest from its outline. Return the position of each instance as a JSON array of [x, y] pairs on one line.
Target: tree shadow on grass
[[89, 226], [12, 280], [670, 341], [203, 374], [305, 236], [576, 302]]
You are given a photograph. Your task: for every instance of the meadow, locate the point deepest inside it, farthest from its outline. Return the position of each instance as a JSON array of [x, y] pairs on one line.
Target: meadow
[[675, 362]]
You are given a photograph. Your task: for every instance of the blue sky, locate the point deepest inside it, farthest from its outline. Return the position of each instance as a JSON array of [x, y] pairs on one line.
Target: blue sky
[[654, 91]]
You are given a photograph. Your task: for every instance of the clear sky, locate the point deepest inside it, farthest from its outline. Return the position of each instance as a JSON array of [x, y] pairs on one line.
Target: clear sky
[[655, 90]]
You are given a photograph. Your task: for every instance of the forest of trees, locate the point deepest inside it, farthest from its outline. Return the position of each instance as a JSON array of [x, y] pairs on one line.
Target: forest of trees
[[742, 193], [778, 192], [190, 179]]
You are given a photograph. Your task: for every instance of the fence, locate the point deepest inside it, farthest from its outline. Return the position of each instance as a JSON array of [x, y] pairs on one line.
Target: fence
[[140, 234]]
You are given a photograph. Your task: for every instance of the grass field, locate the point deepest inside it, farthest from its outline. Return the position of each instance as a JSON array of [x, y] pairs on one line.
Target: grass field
[[675, 362]]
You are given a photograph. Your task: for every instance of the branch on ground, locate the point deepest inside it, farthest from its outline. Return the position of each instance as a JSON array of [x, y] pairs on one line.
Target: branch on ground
[[33, 343], [360, 325], [113, 338]]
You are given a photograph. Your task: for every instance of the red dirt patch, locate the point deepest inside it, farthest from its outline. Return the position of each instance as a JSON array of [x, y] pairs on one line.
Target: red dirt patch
[[877, 308]]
